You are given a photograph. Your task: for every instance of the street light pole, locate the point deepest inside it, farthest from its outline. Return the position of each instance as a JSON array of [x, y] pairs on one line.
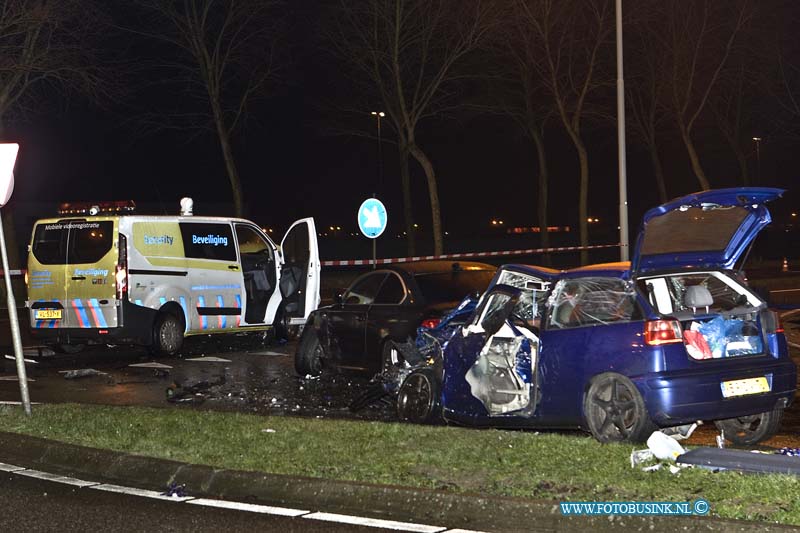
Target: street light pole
[[758, 158], [623, 167], [379, 115]]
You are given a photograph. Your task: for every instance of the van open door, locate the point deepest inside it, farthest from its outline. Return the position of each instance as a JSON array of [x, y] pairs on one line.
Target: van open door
[[300, 271]]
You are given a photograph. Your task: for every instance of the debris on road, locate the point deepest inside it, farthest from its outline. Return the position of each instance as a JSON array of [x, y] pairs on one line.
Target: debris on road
[[175, 491], [12, 358], [180, 393], [210, 359], [152, 364], [82, 373]]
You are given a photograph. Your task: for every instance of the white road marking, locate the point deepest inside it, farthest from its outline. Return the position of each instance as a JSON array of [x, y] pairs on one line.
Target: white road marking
[[47, 476], [249, 507], [238, 506], [374, 522], [210, 359], [140, 492]]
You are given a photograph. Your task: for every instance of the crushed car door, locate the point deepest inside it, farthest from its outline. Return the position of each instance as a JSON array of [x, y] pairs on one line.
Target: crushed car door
[[300, 272], [489, 365]]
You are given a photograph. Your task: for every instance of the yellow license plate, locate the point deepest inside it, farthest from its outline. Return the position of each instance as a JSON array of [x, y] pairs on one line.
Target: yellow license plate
[[47, 314], [743, 387]]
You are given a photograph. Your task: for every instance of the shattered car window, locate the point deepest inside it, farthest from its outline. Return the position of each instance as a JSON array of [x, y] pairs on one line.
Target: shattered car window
[[590, 301]]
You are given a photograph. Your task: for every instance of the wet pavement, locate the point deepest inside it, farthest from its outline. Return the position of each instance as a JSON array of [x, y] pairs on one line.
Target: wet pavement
[[242, 373]]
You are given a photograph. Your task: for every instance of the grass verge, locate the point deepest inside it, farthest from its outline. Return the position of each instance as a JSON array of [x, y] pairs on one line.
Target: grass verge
[[491, 462]]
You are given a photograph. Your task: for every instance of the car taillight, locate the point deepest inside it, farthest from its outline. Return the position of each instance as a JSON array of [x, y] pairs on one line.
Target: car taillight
[[430, 323], [121, 273], [657, 332]]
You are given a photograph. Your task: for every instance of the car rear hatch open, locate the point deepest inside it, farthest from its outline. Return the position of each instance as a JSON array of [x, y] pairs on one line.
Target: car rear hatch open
[[705, 230]]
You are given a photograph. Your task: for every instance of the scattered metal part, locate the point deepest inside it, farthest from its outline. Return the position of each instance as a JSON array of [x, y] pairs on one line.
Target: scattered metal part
[[151, 365], [82, 373]]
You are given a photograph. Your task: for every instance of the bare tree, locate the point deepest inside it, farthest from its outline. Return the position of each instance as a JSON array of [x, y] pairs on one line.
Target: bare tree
[[571, 36], [228, 55], [645, 89], [700, 37], [407, 52], [46, 49]]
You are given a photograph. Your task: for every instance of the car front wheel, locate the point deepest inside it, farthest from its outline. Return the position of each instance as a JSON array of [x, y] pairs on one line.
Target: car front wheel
[[418, 400], [308, 357], [167, 335], [615, 410], [752, 429]]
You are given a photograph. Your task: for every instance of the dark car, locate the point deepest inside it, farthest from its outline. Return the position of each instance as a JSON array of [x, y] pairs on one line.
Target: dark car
[[674, 337], [383, 308]]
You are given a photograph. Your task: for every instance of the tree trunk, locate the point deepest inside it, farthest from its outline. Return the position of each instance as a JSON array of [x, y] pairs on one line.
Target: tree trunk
[[583, 203], [695, 159], [427, 166], [658, 170], [230, 162], [542, 182], [408, 211], [744, 176]]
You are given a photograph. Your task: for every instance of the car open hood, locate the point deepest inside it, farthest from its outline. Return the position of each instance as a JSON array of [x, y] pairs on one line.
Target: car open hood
[[709, 229]]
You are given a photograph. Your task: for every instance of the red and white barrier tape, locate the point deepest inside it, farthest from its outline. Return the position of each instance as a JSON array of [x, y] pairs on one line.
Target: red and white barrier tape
[[357, 262]]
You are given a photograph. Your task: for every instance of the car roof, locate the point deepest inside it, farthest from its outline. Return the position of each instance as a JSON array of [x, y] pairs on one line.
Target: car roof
[[416, 268], [619, 269]]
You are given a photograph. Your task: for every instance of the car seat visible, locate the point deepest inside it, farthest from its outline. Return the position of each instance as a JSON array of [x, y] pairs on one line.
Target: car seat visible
[[697, 296]]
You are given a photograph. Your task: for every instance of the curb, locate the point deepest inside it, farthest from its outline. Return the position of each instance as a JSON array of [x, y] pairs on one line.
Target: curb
[[377, 501]]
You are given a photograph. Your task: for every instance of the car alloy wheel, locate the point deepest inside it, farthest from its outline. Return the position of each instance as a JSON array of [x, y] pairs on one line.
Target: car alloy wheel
[[615, 411], [169, 334], [418, 399], [752, 429]]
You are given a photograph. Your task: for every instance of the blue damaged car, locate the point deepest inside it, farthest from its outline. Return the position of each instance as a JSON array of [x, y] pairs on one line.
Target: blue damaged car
[[674, 337]]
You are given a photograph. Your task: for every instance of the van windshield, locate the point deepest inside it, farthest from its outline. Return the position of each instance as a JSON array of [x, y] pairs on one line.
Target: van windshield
[[72, 241]]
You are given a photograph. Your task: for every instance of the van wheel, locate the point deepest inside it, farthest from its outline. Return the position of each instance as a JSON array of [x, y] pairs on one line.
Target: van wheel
[[69, 348], [419, 398], [747, 430], [167, 335], [308, 357], [615, 411]]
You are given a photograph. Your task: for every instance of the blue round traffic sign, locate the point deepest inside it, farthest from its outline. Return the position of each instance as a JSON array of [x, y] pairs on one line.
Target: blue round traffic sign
[[372, 218]]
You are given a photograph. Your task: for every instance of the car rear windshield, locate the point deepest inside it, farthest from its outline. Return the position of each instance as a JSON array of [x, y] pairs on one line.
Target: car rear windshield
[[452, 286], [72, 242]]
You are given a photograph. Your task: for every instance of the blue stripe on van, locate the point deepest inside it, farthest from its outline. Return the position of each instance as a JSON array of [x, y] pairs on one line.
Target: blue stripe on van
[[201, 302]]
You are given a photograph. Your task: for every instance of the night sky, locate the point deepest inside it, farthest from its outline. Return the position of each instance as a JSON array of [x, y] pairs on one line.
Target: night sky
[[290, 168]]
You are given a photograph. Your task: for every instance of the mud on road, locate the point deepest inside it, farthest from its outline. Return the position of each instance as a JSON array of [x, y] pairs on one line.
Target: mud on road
[[241, 373]]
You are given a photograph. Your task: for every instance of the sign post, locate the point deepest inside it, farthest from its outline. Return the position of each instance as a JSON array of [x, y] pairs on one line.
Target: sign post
[[372, 220], [8, 156]]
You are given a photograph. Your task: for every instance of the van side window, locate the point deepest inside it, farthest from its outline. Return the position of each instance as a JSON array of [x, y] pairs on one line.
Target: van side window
[[72, 242], [203, 240]]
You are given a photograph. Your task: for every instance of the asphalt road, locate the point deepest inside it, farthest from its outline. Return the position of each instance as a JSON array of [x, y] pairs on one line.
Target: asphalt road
[[60, 507]]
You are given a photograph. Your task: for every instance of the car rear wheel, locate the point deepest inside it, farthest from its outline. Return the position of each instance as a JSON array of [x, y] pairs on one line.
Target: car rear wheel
[[747, 430], [615, 410], [419, 398], [167, 335], [308, 357]]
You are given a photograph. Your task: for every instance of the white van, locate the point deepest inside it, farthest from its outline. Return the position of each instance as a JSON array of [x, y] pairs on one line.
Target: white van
[[119, 278]]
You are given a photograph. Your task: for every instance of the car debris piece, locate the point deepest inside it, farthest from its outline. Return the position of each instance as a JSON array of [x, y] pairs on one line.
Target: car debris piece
[[740, 460], [11, 358], [210, 359], [175, 491], [664, 447], [376, 392], [152, 364], [181, 393], [81, 373]]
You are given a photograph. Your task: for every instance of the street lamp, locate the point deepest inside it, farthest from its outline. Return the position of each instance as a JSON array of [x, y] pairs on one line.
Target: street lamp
[[758, 157], [379, 115]]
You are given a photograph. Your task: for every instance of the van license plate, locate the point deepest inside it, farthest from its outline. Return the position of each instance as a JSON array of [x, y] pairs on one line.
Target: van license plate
[[47, 314], [743, 387]]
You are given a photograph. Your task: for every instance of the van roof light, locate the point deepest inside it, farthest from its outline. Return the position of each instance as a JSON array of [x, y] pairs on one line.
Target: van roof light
[[121, 207], [187, 205]]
